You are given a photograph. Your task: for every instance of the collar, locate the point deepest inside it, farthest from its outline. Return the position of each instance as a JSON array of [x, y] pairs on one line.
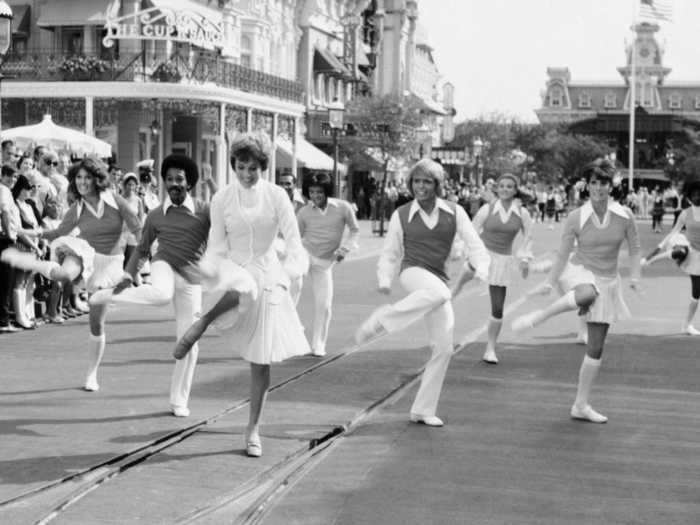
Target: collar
[[330, 201], [439, 205], [189, 203], [106, 197], [613, 206], [498, 208]]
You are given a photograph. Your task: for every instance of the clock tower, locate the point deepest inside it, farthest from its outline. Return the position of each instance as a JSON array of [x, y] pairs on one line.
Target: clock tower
[[650, 72]]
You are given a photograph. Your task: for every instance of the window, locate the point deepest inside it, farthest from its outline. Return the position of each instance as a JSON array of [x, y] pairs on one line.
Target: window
[[584, 100], [610, 100], [697, 101], [556, 97], [246, 51], [674, 101], [72, 40]]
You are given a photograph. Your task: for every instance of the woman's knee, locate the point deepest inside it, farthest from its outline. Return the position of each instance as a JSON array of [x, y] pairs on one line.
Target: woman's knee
[[585, 295]]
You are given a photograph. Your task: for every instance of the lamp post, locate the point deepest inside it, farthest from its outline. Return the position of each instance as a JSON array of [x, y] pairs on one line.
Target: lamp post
[[477, 148], [336, 113], [5, 38]]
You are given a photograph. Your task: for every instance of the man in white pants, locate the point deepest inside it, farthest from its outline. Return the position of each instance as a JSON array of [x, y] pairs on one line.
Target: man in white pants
[[420, 238], [181, 227], [322, 223]]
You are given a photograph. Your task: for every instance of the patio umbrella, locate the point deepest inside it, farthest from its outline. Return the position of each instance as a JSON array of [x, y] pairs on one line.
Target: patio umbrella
[[59, 138]]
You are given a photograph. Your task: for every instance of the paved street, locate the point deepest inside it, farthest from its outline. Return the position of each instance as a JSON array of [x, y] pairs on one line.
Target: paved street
[[338, 447]]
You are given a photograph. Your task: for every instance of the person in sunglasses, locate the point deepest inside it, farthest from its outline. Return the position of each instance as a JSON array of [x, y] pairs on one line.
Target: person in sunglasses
[[47, 168]]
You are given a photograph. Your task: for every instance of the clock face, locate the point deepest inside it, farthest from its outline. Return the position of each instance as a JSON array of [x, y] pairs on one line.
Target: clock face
[[644, 52]]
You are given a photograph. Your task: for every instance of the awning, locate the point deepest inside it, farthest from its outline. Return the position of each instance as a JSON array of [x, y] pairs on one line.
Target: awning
[[308, 156], [193, 7], [433, 106], [20, 20], [326, 62], [73, 13]]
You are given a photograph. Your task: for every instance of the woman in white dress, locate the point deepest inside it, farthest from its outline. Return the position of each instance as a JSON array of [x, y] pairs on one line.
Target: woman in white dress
[[244, 278]]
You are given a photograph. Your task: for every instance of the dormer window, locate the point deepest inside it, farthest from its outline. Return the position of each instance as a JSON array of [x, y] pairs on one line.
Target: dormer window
[[610, 101], [584, 100], [674, 101], [556, 97]]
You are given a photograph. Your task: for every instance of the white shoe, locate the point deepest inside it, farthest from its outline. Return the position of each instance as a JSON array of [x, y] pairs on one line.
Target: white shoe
[[180, 411], [581, 339], [691, 330], [91, 384], [524, 322], [369, 330], [431, 421], [101, 296], [490, 357], [318, 352], [587, 414]]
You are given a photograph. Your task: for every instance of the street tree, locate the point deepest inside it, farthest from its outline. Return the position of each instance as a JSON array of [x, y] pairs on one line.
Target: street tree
[[386, 128]]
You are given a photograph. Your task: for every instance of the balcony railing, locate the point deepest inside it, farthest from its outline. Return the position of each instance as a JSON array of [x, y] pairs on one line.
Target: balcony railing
[[194, 69]]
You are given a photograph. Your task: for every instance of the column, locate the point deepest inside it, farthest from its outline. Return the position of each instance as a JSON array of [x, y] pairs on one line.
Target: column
[[249, 120], [90, 116], [295, 139], [273, 157], [221, 150]]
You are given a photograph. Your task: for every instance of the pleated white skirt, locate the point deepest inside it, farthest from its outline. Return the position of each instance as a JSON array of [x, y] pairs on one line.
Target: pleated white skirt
[[609, 306]]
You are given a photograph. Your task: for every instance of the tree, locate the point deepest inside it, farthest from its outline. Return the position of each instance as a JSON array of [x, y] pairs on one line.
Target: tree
[[384, 127]]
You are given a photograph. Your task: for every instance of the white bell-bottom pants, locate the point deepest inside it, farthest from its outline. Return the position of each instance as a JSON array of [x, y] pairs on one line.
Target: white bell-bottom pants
[[166, 286], [428, 298]]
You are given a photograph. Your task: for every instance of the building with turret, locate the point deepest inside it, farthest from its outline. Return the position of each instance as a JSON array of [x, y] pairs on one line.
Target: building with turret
[[663, 108]]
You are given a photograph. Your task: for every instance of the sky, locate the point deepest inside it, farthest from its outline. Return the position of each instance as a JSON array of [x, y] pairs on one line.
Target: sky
[[496, 52]]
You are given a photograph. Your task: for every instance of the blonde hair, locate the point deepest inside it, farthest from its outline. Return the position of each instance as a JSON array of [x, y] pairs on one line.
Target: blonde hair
[[430, 168]]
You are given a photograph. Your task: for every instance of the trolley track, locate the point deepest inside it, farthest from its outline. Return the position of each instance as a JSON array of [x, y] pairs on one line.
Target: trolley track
[[249, 500]]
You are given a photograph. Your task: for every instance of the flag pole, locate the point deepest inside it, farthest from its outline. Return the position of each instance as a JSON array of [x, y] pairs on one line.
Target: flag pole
[[633, 99]]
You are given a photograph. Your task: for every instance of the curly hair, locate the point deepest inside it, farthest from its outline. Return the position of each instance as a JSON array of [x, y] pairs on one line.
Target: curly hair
[[603, 169], [322, 180], [251, 146], [93, 167]]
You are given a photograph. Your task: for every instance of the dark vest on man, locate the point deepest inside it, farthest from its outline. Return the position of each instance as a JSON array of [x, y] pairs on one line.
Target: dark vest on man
[[426, 248]]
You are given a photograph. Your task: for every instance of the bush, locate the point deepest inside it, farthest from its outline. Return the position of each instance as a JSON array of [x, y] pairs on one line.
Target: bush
[[83, 67]]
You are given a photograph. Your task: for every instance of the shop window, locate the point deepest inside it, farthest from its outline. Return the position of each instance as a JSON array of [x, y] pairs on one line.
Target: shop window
[[72, 41], [556, 97], [584, 100], [674, 101], [610, 101]]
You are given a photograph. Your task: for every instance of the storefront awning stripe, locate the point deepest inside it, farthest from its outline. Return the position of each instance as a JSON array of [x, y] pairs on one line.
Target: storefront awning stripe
[[308, 156], [73, 13]]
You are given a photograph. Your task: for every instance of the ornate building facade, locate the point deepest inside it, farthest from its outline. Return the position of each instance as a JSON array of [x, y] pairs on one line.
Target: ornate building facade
[[663, 108]]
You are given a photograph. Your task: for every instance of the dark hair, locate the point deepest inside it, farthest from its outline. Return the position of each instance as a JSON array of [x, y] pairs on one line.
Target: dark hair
[[22, 158], [38, 150], [250, 146], [7, 142], [322, 180], [21, 184], [6, 170], [603, 170], [92, 166], [691, 185]]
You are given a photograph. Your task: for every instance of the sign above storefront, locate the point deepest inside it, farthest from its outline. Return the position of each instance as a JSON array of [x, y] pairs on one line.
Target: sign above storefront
[[180, 23]]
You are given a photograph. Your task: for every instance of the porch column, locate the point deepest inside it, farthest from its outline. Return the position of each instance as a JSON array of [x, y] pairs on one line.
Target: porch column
[[90, 116], [295, 139], [273, 157], [249, 120], [222, 153]]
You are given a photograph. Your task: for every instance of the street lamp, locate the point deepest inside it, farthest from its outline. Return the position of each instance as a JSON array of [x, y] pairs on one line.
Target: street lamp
[[336, 113], [5, 38], [477, 148]]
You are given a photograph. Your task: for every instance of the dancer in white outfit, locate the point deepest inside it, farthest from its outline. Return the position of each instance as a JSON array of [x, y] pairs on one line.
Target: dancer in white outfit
[[420, 239], [249, 286], [685, 249], [96, 254], [322, 223], [498, 223], [590, 278], [181, 226]]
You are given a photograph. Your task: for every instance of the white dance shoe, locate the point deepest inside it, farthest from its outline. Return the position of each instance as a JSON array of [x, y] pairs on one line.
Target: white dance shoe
[[582, 338], [102, 296], [490, 357], [587, 413], [691, 330], [91, 384], [524, 322], [431, 421], [371, 329], [179, 411]]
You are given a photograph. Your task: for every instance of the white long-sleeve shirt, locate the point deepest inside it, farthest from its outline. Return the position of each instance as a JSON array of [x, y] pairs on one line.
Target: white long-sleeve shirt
[[392, 251]]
